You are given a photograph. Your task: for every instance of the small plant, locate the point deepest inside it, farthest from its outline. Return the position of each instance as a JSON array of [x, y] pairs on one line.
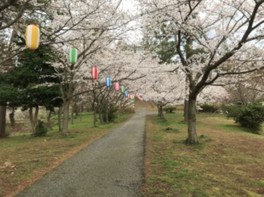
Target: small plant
[[41, 130]]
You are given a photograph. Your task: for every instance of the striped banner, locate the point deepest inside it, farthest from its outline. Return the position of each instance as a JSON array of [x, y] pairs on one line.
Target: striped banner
[[32, 37]]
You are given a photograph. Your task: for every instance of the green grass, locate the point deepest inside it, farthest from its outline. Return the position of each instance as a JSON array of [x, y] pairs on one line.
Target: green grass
[[24, 158], [227, 162]]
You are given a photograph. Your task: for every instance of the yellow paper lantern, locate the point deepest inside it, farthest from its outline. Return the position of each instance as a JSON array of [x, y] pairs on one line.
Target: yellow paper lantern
[[32, 37]]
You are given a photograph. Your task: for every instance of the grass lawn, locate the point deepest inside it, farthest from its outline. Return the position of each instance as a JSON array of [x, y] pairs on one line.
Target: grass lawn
[[227, 162], [23, 159]]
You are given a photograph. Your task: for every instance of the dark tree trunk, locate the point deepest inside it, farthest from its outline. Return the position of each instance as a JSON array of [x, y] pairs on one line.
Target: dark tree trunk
[[2, 121], [101, 117], [185, 112], [72, 115], [49, 123], [192, 135], [160, 112], [12, 118], [106, 116], [59, 118], [65, 118], [95, 109], [33, 117], [94, 119]]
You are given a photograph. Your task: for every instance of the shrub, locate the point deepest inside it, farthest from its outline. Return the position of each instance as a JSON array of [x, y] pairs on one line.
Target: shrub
[[250, 116], [111, 115], [41, 129], [211, 108], [231, 111], [169, 109]]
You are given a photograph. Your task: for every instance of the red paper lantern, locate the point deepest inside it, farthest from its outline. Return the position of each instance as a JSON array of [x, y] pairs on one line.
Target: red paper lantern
[[94, 73], [117, 86]]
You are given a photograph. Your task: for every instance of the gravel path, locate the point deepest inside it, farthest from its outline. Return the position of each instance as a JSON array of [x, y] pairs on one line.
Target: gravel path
[[110, 167]]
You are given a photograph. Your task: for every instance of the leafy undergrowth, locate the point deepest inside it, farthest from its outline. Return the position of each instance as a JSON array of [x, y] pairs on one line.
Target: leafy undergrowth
[[23, 158], [227, 161]]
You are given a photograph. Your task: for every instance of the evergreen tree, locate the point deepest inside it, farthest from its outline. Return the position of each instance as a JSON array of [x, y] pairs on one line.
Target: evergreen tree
[[32, 83]]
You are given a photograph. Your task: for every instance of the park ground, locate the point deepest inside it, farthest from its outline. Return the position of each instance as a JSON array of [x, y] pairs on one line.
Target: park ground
[[24, 159], [228, 161]]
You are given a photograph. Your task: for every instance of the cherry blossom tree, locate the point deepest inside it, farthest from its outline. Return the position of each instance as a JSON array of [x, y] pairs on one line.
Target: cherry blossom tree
[[94, 29], [208, 40]]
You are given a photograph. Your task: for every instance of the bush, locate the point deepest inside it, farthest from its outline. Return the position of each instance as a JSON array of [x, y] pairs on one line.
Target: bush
[[210, 108], [112, 114], [249, 116], [231, 111], [169, 109], [41, 130]]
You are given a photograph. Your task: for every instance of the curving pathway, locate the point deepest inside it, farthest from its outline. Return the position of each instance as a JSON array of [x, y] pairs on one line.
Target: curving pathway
[[110, 167]]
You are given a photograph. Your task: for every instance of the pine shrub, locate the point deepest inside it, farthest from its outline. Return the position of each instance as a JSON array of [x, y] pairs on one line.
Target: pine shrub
[[249, 116], [41, 129]]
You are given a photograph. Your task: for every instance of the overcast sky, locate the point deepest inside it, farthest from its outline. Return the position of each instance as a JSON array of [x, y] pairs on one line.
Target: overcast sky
[[135, 36], [128, 5]]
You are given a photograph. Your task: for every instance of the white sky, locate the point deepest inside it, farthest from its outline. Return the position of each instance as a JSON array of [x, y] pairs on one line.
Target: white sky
[[136, 35], [128, 5]]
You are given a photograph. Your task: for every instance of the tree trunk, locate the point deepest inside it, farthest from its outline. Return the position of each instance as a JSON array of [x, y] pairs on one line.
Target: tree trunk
[[72, 114], [2, 121], [36, 115], [59, 119], [94, 118], [30, 113], [192, 135], [160, 112], [185, 112], [106, 116], [12, 118], [33, 117], [49, 123], [65, 119], [101, 117]]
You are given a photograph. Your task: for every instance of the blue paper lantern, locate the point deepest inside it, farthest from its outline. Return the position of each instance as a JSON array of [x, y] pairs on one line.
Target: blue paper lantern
[[108, 82], [126, 93]]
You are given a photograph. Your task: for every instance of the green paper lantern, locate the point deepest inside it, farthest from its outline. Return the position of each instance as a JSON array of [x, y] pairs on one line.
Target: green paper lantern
[[73, 55], [123, 89]]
